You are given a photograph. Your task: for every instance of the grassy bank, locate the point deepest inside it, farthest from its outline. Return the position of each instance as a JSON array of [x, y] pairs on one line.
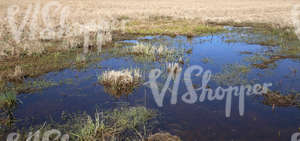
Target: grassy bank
[[169, 26], [122, 123]]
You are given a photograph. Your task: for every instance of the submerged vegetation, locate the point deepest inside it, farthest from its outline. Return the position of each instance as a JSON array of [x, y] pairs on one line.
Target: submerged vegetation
[[266, 36], [232, 74], [279, 44], [277, 99], [206, 60], [27, 86], [32, 86], [120, 82]]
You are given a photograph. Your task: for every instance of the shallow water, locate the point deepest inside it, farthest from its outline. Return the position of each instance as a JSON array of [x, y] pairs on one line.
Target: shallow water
[[80, 91]]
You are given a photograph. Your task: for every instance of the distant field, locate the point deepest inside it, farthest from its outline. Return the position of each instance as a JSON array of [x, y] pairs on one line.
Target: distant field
[[220, 11]]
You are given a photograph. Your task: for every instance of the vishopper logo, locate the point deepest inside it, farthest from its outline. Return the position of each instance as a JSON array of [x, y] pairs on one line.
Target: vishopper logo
[[38, 136], [191, 96], [47, 27], [46, 33], [295, 16], [295, 137]]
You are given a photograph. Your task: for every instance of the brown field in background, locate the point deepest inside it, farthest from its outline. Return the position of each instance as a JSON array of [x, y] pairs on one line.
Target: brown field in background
[[275, 12]]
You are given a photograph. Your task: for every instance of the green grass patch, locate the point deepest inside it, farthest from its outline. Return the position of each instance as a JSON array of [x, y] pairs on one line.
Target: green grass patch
[[7, 100], [123, 123], [171, 27]]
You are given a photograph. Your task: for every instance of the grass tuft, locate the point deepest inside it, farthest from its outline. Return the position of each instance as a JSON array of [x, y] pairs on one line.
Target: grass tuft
[[153, 53], [8, 100], [126, 123], [120, 82], [174, 68]]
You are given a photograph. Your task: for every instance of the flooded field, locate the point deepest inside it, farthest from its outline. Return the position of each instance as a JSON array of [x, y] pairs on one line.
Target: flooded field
[[239, 57]]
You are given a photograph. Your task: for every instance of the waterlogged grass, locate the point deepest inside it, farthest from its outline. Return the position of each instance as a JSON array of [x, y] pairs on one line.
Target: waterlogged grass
[[14, 71], [266, 36], [281, 43], [118, 83], [261, 61], [36, 65], [32, 86], [268, 57]]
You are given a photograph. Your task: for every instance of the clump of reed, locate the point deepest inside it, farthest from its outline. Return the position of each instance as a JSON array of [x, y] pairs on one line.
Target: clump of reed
[[80, 58], [18, 71], [180, 60], [120, 82], [174, 68], [16, 74], [154, 52], [142, 49]]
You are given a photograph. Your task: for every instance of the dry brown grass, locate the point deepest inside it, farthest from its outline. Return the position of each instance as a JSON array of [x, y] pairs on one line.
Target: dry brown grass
[[172, 17], [163, 136], [120, 82], [147, 17], [174, 68], [240, 11]]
